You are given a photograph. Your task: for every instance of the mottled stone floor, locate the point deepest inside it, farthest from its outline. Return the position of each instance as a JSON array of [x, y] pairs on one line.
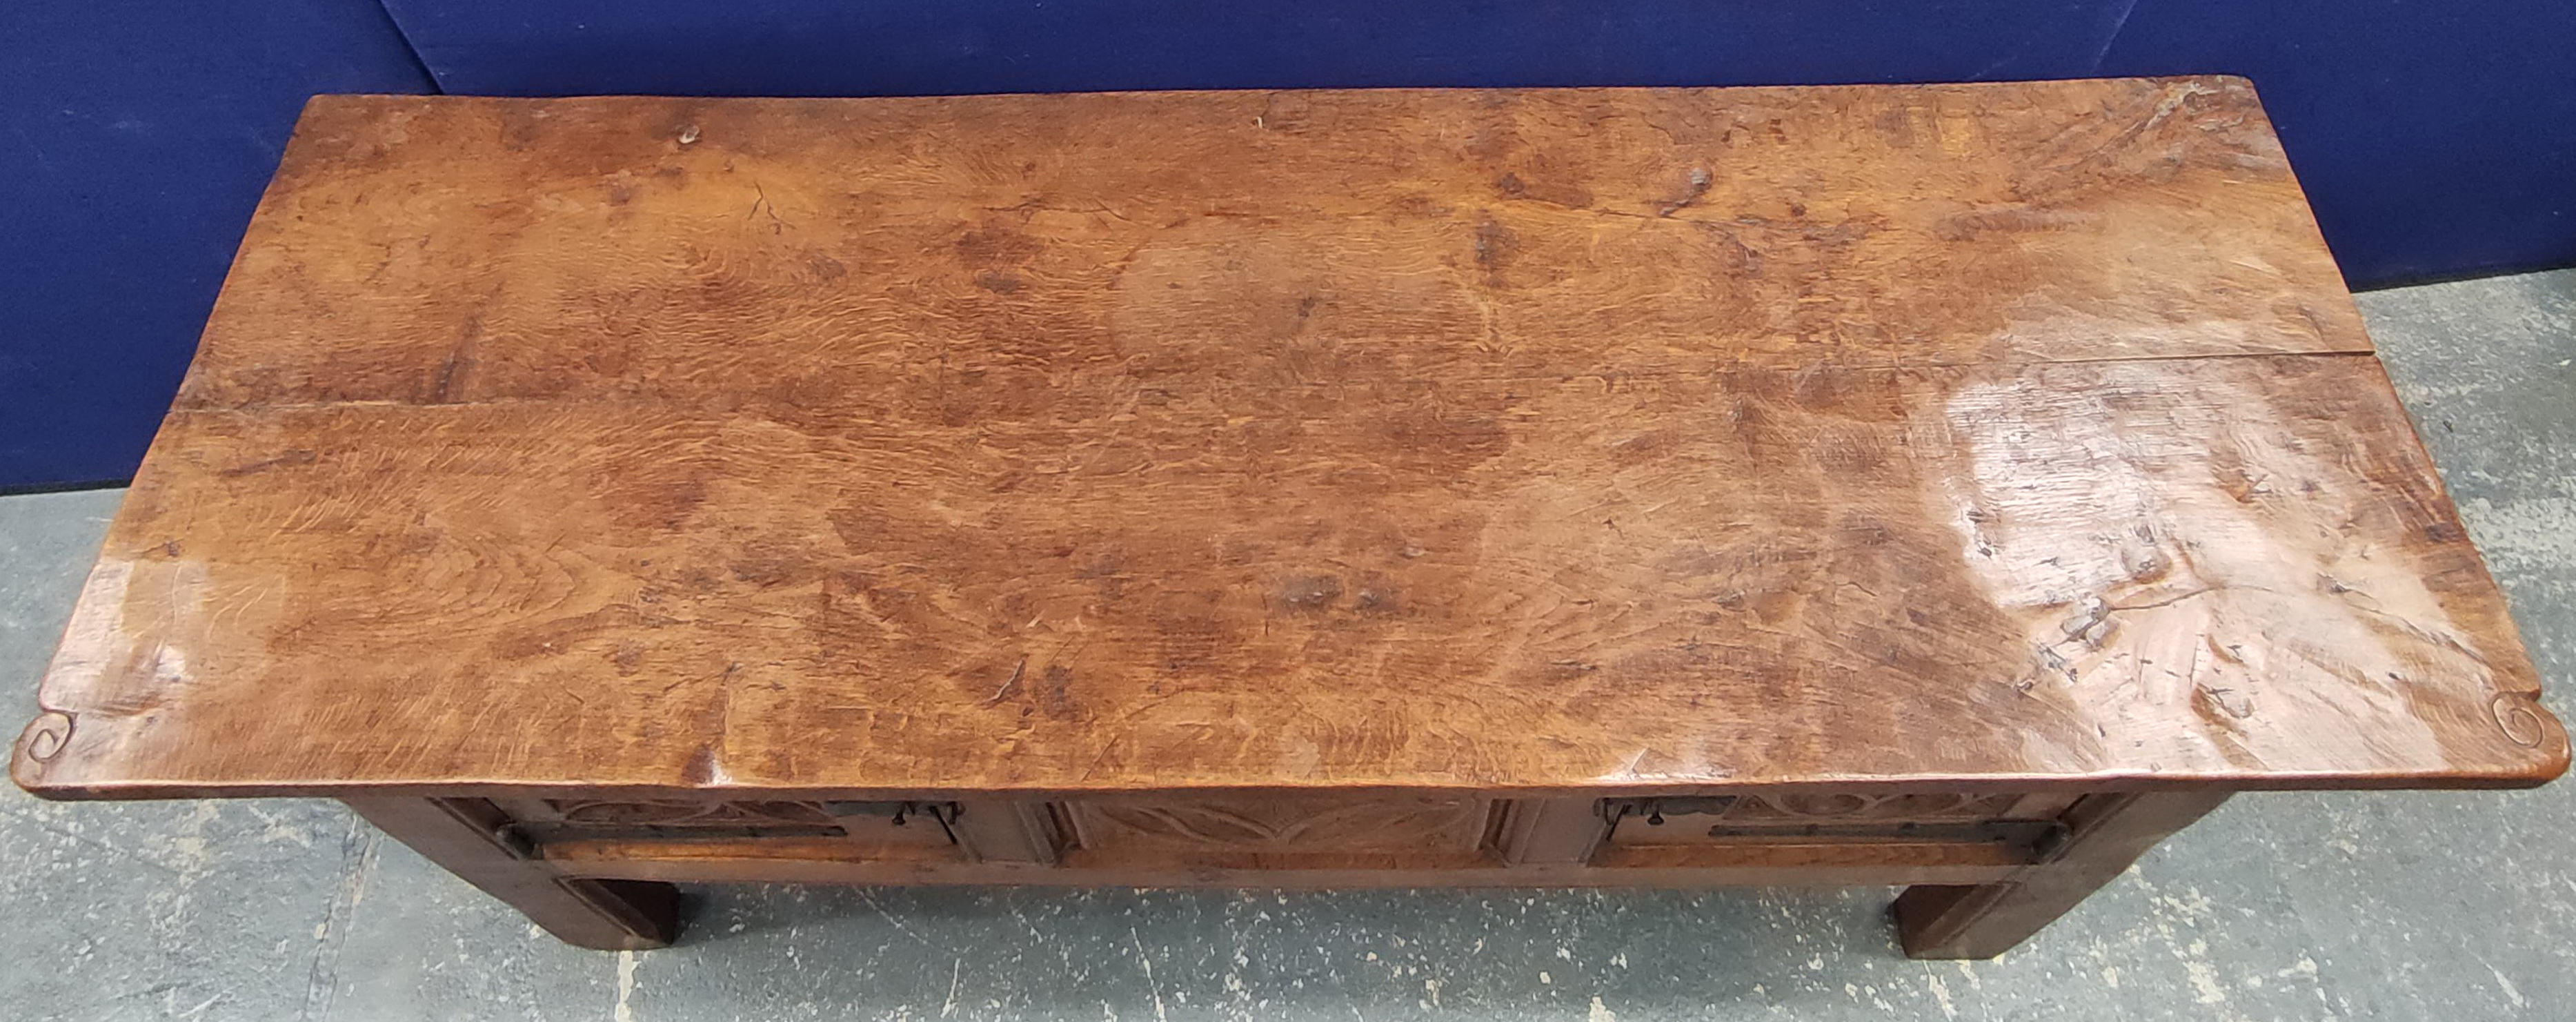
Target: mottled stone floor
[[2397, 906]]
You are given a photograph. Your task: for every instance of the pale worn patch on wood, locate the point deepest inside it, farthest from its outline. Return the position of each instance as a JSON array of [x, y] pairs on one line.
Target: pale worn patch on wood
[[2225, 560]]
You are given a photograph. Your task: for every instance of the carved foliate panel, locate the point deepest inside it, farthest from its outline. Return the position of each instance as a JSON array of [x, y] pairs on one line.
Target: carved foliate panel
[[1865, 808], [1282, 823], [569, 819], [678, 813], [1852, 816]]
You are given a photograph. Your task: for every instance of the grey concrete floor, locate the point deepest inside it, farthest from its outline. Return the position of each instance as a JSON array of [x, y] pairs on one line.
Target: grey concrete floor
[[2344, 906]]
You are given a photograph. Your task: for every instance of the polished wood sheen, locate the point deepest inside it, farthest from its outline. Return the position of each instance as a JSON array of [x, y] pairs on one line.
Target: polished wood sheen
[[1319, 486]]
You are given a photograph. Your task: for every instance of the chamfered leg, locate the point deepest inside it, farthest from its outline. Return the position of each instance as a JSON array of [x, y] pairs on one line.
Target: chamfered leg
[[2105, 833], [468, 836]]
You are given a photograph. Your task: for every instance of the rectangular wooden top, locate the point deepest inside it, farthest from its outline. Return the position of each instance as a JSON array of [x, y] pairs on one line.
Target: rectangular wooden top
[[1579, 439]]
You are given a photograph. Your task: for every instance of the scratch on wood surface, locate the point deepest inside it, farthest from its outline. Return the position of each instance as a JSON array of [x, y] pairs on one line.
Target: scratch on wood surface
[[1010, 686]]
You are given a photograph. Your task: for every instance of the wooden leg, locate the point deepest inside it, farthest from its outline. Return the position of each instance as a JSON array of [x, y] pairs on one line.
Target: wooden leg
[[1006, 830], [2105, 833], [1552, 831], [468, 836]]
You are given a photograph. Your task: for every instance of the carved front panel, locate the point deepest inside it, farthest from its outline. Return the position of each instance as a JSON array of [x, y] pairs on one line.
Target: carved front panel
[[684, 814], [1281, 824], [1308, 831], [891, 823], [1847, 807], [1832, 816]]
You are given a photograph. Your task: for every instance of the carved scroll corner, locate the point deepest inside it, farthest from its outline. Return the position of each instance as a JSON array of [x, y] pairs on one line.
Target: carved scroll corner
[[2521, 719], [44, 739]]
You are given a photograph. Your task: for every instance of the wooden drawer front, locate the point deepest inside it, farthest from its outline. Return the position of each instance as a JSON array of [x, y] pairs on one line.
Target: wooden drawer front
[[1256, 831], [889, 830], [1834, 827], [1189, 837]]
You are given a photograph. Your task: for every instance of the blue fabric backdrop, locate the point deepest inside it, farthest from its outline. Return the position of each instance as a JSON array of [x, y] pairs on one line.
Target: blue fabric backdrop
[[137, 138], [2435, 139]]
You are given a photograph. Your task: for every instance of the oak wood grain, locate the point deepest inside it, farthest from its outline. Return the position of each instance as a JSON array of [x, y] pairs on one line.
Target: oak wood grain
[[2015, 435]]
